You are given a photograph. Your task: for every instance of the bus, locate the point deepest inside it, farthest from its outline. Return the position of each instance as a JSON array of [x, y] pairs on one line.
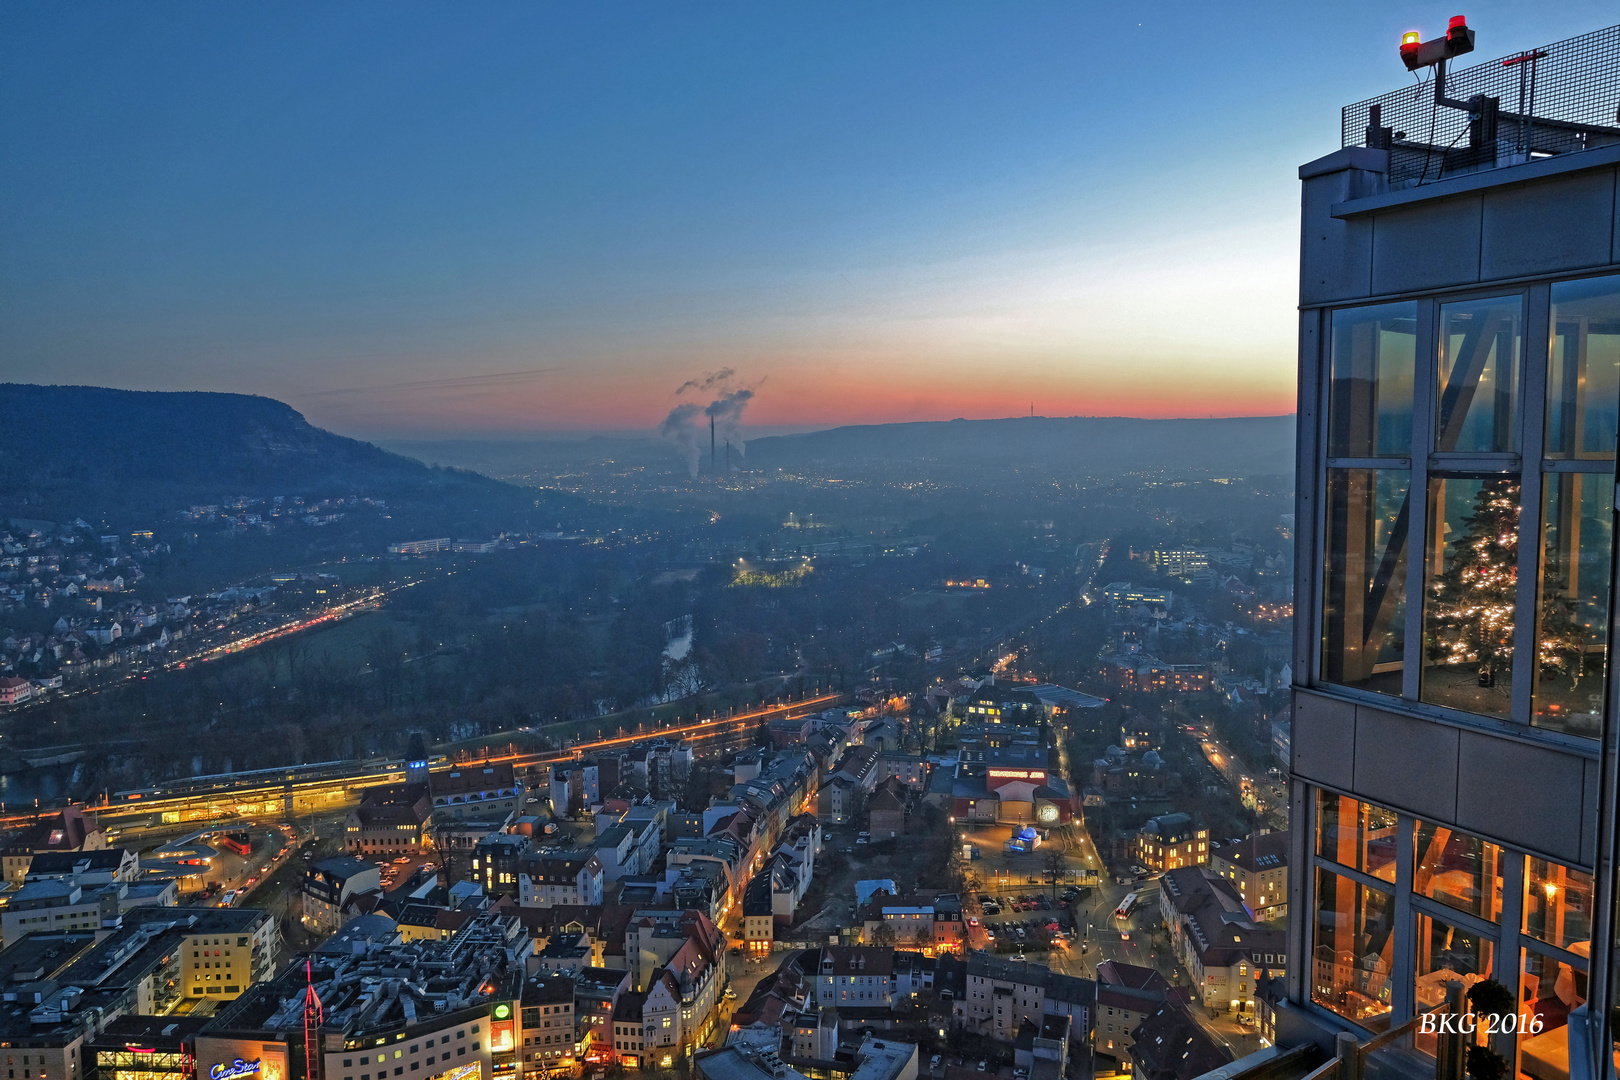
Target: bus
[[1126, 906], [238, 842]]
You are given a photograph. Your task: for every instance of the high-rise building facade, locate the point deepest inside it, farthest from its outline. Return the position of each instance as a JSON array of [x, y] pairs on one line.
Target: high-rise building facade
[[1453, 766]]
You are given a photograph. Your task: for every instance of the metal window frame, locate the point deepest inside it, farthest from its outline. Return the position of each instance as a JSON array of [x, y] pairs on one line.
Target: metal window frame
[[1507, 934]]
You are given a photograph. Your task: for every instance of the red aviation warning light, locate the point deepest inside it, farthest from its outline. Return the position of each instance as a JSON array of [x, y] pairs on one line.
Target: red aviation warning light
[[1417, 53]]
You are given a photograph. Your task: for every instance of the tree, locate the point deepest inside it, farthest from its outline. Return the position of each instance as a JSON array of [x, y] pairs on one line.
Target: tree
[[883, 935], [1054, 867], [1471, 601]]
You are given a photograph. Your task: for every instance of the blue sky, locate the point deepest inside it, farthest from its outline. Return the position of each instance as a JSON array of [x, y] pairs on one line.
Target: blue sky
[[418, 219]]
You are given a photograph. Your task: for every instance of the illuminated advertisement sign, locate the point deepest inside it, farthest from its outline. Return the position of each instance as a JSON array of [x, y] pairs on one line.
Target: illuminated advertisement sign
[[1018, 774], [236, 1070], [500, 1037], [460, 1072]]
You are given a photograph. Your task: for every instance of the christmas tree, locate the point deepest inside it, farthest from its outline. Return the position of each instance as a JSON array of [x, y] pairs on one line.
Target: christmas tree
[[1471, 601]]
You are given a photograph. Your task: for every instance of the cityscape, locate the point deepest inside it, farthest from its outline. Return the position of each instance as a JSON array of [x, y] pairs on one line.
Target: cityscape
[[475, 604]]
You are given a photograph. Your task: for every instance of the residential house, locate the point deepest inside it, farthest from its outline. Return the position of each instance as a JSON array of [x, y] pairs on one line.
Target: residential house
[[1258, 866]]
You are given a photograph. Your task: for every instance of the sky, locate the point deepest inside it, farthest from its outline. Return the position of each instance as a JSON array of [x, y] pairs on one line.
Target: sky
[[513, 219]]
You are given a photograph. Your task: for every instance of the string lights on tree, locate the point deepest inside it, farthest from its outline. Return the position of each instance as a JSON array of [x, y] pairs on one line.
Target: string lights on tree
[[1471, 600]]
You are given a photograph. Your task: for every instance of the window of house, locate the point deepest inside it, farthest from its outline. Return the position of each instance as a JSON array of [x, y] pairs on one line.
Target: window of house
[[1459, 870], [1353, 950], [1356, 834]]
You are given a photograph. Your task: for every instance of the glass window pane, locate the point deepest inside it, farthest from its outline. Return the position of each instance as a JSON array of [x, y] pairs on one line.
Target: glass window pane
[[1572, 614], [1459, 870], [1353, 950], [1477, 401], [1549, 989], [1447, 954], [1356, 834], [1364, 585], [1583, 369], [1374, 356], [1558, 905], [1471, 577]]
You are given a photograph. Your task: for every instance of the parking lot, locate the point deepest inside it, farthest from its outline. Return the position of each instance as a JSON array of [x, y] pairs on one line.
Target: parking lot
[[1020, 922]]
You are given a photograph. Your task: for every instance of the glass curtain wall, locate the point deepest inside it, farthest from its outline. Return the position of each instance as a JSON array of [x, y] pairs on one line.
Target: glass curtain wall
[[1453, 395], [1577, 522], [1477, 911]]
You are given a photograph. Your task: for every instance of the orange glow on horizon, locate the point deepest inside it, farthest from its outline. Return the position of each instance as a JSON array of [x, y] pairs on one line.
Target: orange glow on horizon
[[823, 395]]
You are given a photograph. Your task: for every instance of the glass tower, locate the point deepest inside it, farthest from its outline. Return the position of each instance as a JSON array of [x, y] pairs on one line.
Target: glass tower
[[1453, 753]]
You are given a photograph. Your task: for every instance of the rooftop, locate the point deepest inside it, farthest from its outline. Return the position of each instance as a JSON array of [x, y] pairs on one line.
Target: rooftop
[[1531, 104]]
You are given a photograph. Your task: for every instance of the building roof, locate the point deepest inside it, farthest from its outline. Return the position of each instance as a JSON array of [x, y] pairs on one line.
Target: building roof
[[1257, 853], [546, 989], [1170, 1045], [1057, 986], [628, 1009], [342, 868], [1130, 976], [68, 862], [1170, 828], [431, 982], [470, 779], [66, 831], [857, 960], [41, 955], [1218, 924]]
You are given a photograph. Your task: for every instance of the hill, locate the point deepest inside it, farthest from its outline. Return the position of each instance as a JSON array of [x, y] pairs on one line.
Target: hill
[[1249, 445], [83, 450]]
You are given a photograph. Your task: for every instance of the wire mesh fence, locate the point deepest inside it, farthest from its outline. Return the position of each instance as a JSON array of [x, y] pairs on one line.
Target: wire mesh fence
[[1556, 99]]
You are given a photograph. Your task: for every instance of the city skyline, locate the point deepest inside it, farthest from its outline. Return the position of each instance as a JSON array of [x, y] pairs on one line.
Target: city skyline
[[519, 221]]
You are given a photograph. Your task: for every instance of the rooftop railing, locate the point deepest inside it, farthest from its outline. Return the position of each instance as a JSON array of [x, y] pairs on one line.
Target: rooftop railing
[[1557, 99]]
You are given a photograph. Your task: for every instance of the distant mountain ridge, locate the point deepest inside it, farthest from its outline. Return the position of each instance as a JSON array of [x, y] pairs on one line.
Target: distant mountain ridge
[[67, 447], [1245, 445]]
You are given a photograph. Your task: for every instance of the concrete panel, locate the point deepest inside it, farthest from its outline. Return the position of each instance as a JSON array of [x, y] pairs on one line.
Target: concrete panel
[[1406, 763], [1589, 814], [1529, 796], [1324, 739], [1335, 254], [1542, 228], [1427, 246]]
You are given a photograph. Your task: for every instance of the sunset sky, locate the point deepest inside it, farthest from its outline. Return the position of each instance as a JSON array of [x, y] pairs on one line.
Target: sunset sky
[[508, 219]]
